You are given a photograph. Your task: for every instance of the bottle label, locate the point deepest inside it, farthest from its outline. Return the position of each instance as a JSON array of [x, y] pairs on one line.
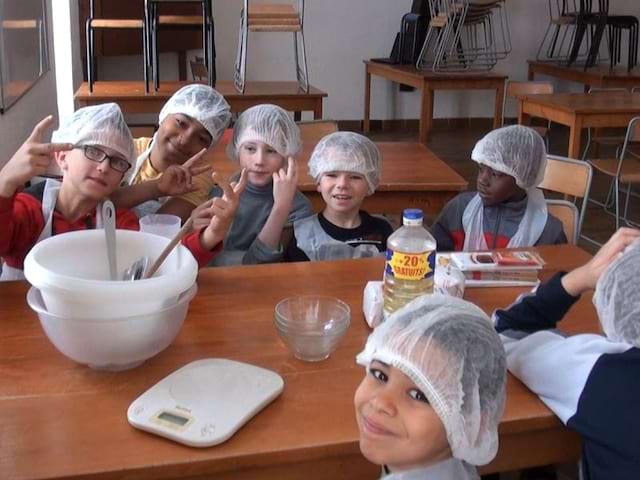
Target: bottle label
[[410, 266]]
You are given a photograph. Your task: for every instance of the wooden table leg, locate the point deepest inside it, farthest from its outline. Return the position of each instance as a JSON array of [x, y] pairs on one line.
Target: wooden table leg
[[497, 115], [367, 99], [523, 118], [297, 116], [426, 112], [317, 110], [575, 133]]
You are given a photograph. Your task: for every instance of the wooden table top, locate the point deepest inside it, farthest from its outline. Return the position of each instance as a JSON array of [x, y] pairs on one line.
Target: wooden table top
[[582, 103], [406, 166], [411, 69], [108, 91], [578, 73], [59, 419]]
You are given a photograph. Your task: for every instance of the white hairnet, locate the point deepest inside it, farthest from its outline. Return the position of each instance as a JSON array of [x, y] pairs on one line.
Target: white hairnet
[[269, 124], [202, 103], [449, 349], [515, 150], [101, 125], [347, 152], [617, 298]]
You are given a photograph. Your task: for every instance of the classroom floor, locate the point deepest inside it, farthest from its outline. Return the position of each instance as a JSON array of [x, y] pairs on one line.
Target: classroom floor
[[454, 144]]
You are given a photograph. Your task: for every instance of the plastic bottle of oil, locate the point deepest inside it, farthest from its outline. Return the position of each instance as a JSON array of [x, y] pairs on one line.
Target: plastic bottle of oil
[[411, 254]]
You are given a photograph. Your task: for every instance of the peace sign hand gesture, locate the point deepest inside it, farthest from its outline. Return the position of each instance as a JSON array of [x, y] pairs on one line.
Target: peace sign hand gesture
[[32, 158], [285, 184], [218, 213], [178, 179]]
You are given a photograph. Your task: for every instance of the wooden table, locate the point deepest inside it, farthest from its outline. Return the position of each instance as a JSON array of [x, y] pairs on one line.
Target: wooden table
[[412, 177], [427, 82], [580, 110], [132, 98], [65, 421], [599, 76]]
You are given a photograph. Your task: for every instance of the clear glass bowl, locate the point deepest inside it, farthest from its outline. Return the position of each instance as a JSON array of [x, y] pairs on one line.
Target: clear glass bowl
[[311, 326]]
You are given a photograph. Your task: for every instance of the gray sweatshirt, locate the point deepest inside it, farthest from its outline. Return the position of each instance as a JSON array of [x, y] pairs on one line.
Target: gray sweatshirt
[[241, 246]]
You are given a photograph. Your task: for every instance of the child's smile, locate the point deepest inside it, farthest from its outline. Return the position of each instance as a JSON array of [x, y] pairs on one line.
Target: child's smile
[[397, 425]]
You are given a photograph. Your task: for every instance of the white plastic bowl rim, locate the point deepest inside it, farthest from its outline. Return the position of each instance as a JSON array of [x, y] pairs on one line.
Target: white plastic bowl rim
[[34, 299]]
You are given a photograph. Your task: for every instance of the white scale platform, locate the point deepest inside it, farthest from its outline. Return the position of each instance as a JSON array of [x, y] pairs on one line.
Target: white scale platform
[[205, 402]]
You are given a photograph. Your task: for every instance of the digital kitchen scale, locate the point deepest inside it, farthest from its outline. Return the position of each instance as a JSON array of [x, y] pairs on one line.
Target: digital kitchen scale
[[205, 402]]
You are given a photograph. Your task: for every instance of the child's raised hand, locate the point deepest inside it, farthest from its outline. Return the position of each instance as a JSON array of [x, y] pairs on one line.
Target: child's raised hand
[[178, 179], [32, 158], [585, 277], [285, 184], [220, 211]]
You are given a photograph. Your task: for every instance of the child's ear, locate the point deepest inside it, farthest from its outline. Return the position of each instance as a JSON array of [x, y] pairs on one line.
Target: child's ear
[[61, 160]]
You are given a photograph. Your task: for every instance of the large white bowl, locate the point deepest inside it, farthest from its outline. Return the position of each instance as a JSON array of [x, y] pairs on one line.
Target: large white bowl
[[115, 343], [72, 273]]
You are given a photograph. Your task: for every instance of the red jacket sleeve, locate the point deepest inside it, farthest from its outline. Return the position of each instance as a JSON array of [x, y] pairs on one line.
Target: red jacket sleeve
[[20, 225], [202, 256]]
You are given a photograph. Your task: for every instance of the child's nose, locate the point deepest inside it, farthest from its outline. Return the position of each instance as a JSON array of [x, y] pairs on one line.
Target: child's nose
[[104, 166], [384, 402], [259, 157]]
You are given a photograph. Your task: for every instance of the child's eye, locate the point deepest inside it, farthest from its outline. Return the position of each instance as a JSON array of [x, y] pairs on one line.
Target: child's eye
[[495, 174], [270, 151], [355, 177], [379, 375], [331, 175], [250, 148], [418, 395], [205, 140], [179, 122]]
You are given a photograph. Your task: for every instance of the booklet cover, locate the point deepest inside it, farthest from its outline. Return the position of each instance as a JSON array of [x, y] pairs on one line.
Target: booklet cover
[[507, 261]]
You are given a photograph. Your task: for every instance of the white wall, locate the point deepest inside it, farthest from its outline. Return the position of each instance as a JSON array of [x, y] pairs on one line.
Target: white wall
[[340, 34], [17, 123]]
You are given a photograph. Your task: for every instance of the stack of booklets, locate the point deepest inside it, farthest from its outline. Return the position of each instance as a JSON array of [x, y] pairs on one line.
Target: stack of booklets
[[499, 269]]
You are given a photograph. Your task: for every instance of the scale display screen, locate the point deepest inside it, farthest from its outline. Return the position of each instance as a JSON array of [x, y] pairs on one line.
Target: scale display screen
[[173, 418]]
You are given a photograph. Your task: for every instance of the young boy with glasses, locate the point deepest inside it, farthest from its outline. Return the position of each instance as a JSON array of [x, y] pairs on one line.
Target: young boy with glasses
[[93, 148]]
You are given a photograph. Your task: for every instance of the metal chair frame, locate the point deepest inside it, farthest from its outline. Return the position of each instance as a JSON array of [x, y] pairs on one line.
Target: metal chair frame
[[240, 67], [90, 39], [152, 20]]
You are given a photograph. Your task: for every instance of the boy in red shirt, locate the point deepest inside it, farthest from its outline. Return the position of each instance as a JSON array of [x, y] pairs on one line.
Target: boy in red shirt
[[93, 147]]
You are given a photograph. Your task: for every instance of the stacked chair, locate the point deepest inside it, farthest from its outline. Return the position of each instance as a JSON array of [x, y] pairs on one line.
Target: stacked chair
[[465, 35], [576, 30], [96, 22], [271, 18], [156, 20], [559, 36]]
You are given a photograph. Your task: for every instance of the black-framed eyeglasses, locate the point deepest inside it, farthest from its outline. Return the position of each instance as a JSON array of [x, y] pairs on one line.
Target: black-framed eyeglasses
[[94, 154]]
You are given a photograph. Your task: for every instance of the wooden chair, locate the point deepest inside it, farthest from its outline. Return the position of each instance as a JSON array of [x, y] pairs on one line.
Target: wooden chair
[[570, 178], [314, 131], [272, 18], [515, 89], [568, 215], [94, 22], [156, 20], [625, 169]]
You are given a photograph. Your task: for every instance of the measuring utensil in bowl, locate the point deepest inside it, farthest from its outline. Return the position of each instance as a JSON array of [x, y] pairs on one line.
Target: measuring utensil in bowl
[[205, 402]]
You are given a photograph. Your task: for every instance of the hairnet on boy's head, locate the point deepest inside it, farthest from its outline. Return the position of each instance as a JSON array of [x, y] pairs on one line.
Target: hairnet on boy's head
[[449, 349], [346, 152], [101, 125], [202, 103], [617, 298], [269, 124], [515, 150]]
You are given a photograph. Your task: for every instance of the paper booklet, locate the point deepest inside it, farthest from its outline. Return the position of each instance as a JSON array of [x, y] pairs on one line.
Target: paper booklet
[[499, 269]]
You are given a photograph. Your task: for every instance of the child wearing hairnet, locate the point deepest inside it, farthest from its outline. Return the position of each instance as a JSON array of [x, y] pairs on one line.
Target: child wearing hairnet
[[265, 142], [346, 167], [190, 123], [589, 381], [93, 148], [508, 210], [434, 391]]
